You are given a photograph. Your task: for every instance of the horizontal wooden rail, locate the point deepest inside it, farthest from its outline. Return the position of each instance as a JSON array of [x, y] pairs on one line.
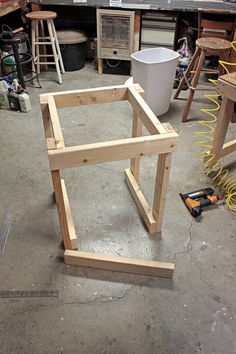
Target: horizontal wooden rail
[[112, 151], [86, 97]]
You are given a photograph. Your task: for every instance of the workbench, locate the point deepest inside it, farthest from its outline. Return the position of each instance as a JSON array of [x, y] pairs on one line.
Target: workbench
[[166, 5], [10, 6]]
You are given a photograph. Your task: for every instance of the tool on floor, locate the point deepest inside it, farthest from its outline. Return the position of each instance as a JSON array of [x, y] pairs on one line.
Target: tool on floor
[[4, 231], [197, 200], [27, 293]]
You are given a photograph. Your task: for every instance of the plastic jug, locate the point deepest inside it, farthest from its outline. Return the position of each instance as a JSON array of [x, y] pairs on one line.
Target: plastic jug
[[4, 103], [24, 101]]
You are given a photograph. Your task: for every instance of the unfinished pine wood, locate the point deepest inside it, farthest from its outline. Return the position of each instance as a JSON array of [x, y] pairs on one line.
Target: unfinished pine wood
[[148, 118], [51, 143], [162, 142], [70, 223], [46, 121], [161, 185], [119, 264], [136, 131], [115, 150], [86, 97], [62, 208], [140, 201], [56, 127]]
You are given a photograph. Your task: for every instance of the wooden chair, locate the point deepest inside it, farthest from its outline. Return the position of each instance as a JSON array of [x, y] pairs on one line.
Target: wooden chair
[[214, 40], [216, 23]]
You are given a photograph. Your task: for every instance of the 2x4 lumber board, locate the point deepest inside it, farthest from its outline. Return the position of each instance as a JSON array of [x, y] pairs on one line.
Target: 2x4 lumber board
[[51, 143], [62, 212], [88, 96], [56, 127], [139, 89], [136, 131], [140, 201], [161, 185], [46, 121], [148, 118], [70, 223], [119, 264], [50, 140], [115, 150], [228, 148]]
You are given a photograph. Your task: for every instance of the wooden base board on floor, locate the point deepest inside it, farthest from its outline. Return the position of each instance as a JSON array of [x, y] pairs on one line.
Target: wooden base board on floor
[[119, 264]]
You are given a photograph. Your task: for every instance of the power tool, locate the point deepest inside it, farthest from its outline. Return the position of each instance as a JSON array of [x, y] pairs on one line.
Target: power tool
[[196, 200]]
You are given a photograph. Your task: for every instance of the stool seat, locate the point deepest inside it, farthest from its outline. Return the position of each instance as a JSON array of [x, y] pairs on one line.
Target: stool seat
[[213, 44], [41, 15]]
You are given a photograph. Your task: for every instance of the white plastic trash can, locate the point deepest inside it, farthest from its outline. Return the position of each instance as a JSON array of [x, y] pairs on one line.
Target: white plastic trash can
[[154, 69]]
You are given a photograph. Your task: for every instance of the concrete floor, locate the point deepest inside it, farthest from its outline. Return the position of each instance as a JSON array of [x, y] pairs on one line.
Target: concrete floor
[[101, 311]]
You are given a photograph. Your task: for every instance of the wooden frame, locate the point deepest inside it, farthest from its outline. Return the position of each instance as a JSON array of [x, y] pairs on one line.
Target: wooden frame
[[162, 141], [227, 87]]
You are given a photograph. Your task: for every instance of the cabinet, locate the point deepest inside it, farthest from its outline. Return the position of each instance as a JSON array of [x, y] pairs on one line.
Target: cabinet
[[158, 29]]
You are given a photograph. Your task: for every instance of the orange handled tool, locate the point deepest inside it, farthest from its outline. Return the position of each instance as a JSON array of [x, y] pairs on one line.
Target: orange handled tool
[[195, 201]]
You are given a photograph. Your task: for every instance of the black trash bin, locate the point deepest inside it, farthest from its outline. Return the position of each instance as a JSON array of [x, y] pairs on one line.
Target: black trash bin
[[73, 48]]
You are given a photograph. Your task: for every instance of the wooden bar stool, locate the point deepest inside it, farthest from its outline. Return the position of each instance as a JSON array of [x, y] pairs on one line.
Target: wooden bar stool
[[227, 87], [37, 18], [206, 46]]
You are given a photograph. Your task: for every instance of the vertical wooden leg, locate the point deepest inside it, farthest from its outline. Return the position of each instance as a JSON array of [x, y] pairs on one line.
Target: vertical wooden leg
[[52, 39], [162, 179], [37, 45], [100, 66], [65, 228], [188, 71], [58, 49], [225, 57], [136, 131], [46, 122], [222, 124], [194, 85], [63, 207], [33, 26]]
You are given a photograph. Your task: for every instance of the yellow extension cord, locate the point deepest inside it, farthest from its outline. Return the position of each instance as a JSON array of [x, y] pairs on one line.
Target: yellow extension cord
[[219, 175]]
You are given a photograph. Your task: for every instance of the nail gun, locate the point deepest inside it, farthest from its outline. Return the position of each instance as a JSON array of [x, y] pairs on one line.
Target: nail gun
[[195, 201]]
